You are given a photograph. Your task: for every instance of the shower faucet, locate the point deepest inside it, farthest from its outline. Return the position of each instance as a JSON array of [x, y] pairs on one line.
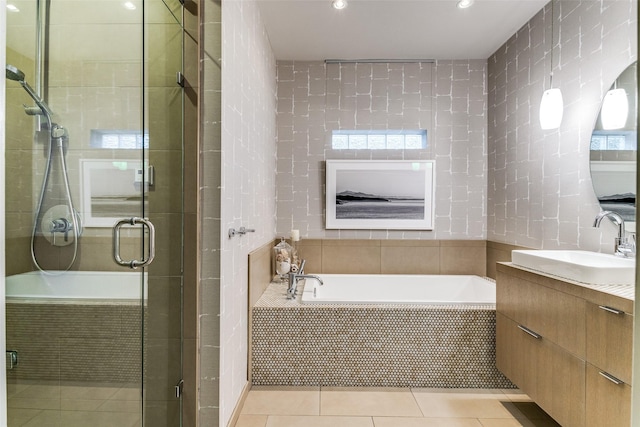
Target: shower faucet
[[623, 247]]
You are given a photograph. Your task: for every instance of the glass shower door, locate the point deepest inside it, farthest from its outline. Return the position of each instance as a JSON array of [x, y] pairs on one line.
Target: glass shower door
[[91, 120]]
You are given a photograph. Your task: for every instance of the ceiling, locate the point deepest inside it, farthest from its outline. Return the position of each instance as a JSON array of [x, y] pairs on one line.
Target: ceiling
[[392, 29]]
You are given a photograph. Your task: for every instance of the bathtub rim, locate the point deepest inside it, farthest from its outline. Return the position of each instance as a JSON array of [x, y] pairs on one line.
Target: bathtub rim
[[39, 287], [275, 297], [306, 299]]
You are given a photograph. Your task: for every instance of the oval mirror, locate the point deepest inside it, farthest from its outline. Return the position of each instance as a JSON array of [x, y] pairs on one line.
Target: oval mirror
[[614, 146]]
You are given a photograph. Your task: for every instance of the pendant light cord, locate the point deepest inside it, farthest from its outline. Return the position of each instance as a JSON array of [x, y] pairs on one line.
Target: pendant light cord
[[551, 60]]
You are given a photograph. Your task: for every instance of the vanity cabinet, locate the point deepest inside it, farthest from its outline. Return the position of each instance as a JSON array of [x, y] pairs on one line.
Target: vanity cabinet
[[609, 355], [607, 403], [610, 342], [566, 345], [551, 376]]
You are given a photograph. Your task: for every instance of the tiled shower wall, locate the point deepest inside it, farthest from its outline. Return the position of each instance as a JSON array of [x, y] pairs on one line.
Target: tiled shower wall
[[539, 185], [206, 340], [248, 181], [447, 98]]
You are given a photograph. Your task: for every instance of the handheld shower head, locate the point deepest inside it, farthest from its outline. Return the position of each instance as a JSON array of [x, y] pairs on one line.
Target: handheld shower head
[[14, 73]]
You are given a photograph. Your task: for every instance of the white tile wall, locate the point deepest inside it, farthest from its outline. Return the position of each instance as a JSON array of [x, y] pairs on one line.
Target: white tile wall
[[539, 184], [248, 179], [447, 98]]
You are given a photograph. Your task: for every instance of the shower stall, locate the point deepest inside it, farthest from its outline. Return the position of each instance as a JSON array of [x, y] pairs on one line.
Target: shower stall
[[93, 212]]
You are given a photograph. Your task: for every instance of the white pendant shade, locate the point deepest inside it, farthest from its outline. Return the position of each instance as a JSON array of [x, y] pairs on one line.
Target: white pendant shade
[[551, 109], [339, 4], [615, 109]]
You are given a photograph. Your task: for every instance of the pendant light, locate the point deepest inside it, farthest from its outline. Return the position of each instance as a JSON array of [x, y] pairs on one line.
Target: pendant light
[[339, 4], [615, 109], [551, 105]]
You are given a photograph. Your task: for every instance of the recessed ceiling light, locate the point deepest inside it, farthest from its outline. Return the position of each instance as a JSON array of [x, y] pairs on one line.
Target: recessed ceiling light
[[463, 4], [339, 4], [129, 5], [12, 8]]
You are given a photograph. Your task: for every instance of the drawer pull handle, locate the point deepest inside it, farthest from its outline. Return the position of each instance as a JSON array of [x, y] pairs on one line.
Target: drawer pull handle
[[611, 378], [610, 309], [530, 332]]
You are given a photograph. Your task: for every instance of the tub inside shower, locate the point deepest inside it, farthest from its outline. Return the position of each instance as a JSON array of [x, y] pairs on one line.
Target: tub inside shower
[[77, 326], [444, 340]]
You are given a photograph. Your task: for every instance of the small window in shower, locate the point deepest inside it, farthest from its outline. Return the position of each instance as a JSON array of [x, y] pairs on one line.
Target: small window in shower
[[379, 139], [118, 139]]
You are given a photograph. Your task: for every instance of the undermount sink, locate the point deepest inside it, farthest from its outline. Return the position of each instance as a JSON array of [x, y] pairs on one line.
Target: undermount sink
[[582, 266]]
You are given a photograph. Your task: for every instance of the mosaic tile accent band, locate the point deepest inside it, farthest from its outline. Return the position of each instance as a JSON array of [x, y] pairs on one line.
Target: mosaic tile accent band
[[382, 346]]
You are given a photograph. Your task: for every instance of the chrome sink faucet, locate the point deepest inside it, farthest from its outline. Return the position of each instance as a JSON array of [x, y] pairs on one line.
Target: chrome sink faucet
[[623, 247], [295, 276]]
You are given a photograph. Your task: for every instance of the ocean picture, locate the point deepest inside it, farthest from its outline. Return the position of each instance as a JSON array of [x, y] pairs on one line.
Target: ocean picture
[[375, 194]]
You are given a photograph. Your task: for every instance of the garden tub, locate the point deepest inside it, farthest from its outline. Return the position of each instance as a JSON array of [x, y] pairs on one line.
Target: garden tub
[[377, 338]]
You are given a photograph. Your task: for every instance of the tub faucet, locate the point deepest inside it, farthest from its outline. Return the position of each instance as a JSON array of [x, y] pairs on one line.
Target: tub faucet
[[623, 247], [295, 276]]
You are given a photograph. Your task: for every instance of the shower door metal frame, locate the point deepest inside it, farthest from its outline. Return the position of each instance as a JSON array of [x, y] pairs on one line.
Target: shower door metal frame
[[3, 338]]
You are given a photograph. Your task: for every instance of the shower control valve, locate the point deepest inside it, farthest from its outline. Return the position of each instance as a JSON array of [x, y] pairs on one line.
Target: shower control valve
[[61, 225]]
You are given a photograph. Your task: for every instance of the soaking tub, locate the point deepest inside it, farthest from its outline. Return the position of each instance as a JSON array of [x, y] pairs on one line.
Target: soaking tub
[[360, 337], [399, 289], [76, 326]]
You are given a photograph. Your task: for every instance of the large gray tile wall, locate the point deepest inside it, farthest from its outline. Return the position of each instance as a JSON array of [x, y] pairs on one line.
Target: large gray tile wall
[[539, 184], [248, 183], [447, 98]]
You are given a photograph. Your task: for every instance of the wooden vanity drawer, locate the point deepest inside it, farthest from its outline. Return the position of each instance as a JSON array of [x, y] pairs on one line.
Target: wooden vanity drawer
[[551, 376], [556, 315], [610, 340], [608, 403]]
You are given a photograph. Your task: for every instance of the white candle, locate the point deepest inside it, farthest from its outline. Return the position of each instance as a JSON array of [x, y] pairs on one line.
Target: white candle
[[295, 235]]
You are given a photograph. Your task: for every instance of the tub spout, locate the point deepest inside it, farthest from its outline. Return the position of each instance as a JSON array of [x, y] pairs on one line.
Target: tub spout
[[293, 282]]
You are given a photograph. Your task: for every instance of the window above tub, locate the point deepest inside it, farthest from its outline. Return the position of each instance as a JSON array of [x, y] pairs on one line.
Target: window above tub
[[119, 139], [379, 139]]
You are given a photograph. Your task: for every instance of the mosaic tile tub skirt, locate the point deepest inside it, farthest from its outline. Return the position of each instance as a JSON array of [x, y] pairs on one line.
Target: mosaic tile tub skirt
[[75, 342], [364, 345]]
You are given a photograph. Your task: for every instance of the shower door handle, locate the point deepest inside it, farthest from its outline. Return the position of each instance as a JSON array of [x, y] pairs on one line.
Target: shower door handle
[[116, 242]]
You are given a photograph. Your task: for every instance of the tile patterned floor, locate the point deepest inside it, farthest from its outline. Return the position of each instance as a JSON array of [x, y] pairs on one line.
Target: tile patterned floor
[[55, 404], [389, 407]]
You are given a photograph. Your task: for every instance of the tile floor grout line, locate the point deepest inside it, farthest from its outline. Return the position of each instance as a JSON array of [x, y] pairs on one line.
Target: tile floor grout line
[[415, 399]]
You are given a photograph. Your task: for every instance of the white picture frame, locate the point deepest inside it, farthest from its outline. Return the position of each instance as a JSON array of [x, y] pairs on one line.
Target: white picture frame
[[380, 194], [110, 190]]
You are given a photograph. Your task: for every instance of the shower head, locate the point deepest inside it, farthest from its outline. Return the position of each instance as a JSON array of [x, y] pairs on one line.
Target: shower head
[[14, 73]]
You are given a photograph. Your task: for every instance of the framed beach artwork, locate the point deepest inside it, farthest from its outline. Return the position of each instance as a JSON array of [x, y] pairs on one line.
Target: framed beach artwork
[[111, 190], [380, 194]]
